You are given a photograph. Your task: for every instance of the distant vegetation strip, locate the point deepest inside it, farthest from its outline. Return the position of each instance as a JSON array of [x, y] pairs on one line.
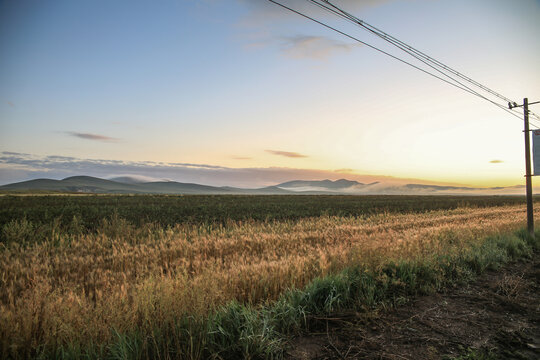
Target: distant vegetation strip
[[224, 292], [85, 214]]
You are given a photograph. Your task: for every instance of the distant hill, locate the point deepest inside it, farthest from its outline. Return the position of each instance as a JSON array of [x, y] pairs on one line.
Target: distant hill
[[134, 185], [88, 184], [82, 184]]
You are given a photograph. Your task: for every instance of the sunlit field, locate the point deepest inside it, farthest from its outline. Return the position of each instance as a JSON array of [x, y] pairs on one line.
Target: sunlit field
[[83, 287]]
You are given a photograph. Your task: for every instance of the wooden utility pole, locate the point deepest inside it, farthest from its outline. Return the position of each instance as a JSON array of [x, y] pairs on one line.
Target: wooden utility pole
[[528, 175]]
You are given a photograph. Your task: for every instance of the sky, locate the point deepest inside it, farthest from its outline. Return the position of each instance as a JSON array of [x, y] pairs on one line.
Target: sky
[[245, 93]]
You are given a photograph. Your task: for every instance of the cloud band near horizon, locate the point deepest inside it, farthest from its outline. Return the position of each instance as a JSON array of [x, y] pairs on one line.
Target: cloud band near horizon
[[17, 167]]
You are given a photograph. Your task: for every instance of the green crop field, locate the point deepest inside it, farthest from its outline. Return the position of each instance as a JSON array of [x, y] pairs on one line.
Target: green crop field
[[86, 213]]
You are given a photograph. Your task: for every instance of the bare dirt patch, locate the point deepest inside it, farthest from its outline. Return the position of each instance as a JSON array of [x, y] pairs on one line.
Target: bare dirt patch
[[497, 316]]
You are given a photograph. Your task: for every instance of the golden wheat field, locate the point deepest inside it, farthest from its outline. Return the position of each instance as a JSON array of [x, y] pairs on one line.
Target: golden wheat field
[[76, 288]]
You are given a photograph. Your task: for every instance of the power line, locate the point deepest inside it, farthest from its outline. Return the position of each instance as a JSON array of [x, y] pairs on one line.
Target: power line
[[366, 44], [409, 50], [461, 86], [406, 47], [420, 56]]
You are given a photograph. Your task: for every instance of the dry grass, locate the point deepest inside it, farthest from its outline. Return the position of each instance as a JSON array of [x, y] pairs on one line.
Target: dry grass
[[511, 286], [74, 289]]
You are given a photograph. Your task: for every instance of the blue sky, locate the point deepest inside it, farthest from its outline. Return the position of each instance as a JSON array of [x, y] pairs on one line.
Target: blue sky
[[245, 86]]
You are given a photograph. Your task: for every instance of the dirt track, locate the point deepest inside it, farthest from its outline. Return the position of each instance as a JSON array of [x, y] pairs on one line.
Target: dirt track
[[497, 315]]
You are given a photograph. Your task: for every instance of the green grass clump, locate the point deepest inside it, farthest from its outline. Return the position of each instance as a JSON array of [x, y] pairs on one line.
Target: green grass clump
[[242, 332], [476, 354]]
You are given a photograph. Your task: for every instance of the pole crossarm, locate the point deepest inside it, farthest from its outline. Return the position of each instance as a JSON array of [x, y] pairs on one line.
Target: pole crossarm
[[514, 105]]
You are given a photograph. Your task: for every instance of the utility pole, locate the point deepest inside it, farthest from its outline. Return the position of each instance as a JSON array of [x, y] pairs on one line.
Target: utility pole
[[528, 175]]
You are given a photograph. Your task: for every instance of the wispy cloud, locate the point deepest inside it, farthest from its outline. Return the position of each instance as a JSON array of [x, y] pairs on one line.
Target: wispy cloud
[[241, 158], [11, 153], [95, 137], [314, 47], [289, 154], [344, 171], [10, 104], [266, 24], [496, 161]]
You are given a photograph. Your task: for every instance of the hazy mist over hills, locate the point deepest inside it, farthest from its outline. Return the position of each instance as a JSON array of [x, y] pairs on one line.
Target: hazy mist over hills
[[140, 185]]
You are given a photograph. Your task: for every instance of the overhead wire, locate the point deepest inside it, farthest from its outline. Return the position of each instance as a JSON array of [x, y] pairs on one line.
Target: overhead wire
[[426, 62], [328, 6], [396, 41], [375, 48], [411, 50], [420, 56]]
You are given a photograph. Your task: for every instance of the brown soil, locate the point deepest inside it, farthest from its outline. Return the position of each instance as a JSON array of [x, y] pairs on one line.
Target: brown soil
[[495, 317]]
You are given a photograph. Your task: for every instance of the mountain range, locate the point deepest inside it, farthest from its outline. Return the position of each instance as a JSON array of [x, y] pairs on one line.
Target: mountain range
[[133, 185]]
